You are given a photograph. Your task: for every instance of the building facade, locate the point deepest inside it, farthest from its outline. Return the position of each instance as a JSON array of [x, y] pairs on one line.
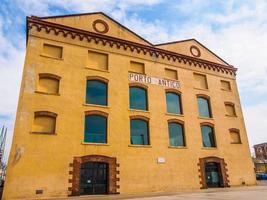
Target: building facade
[[260, 160], [104, 111]]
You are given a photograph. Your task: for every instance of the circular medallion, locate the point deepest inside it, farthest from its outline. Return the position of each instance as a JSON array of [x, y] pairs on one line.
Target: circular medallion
[[100, 26], [194, 50]]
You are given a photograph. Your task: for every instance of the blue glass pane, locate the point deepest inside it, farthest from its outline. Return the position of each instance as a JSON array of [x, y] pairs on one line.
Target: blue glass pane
[[138, 98], [96, 92], [203, 107], [173, 103], [176, 135], [95, 129], [207, 136], [139, 132]]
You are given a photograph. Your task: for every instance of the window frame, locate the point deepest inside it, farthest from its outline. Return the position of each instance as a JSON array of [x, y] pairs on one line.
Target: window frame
[[48, 76], [45, 114], [213, 131], [203, 96], [230, 87], [235, 130], [227, 103], [99, 79], [143, 87], [96, 113], [183, 132], [145, 119], [180, 102]]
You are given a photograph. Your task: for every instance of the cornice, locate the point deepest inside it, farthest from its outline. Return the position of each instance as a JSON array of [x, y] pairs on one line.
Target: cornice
[[113, 42]]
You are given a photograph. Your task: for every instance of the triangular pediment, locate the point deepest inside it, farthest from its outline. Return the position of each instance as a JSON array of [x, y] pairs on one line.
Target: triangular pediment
[[99, 23], [192, 48]]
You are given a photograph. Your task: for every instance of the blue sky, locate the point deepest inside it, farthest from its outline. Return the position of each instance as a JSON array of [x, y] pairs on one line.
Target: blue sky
[[235, 30]]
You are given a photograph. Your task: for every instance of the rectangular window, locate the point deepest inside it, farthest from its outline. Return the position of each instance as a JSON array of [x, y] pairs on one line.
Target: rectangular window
[[204, 107], [137, 67], [225, 85], [230, 110], [95, 129], [200, 81], [97, 60], [173, 103], [235, 137], [52, 50], [138, 98], [171, 74], [48, 84], [176, 134], [96, 92], [139, 132]]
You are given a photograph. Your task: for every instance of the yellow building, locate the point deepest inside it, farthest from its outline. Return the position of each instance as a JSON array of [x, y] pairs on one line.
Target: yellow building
[[104, 111]]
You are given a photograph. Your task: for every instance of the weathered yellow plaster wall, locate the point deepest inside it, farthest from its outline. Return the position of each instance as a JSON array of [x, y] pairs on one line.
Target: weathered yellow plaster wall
[[40, 161]]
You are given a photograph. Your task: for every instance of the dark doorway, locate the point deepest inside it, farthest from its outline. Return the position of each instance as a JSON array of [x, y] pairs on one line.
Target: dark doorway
[[93, 178], [213, 174]]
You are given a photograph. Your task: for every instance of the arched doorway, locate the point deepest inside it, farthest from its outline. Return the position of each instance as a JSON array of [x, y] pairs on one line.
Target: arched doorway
[[94, 174], [94, 178], [213, 172]]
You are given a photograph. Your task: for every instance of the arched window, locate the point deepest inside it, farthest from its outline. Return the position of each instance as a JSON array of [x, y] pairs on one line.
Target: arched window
[[95, 130], [44, 122], [176, 134], [235, 136], [139, 132], [138, 98], [230, 109], [208, 138], [96, 92], [173, 103], [204, 107], [48, 83]]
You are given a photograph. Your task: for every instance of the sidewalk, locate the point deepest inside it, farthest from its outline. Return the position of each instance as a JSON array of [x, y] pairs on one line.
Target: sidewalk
[[234, 193]]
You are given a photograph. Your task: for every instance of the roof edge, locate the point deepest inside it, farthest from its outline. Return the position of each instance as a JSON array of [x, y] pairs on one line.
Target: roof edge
[[101, 13], [193, 39]]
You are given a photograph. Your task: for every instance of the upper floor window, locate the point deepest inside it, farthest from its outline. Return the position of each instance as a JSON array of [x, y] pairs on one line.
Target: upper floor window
[[176, 134], [225, 85], [97, 60], [171, 74], [208, 138], [139, 132], [204, 107], [173, 103], [138, 98], [44, 122], [200, 81], [95, 129], [230, 109], [235, 136], [96, 92], [48, 83], [137, 67], [52, 51]]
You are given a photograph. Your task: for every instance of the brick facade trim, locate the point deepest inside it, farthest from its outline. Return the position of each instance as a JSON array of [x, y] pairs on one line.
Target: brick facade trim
[[112, 172]]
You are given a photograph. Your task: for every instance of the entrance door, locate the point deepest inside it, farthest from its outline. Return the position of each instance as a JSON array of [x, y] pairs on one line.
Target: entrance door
[[94, 178], [212, 173]]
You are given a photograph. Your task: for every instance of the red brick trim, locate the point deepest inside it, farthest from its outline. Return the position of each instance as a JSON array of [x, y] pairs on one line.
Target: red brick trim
[[197, 49], [223, 169], [98, 78], [176, 121], [48, 75], [124, 44], [172, 90], [140, 85], [111, 161], [96, 112], [45, 113], [100, 21], [139, 117]]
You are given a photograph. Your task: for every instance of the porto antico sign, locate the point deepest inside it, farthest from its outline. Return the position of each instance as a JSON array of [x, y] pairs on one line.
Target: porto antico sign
[[140, 78]]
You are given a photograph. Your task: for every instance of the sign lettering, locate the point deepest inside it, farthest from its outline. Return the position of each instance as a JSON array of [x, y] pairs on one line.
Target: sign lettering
[[140, 78]]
